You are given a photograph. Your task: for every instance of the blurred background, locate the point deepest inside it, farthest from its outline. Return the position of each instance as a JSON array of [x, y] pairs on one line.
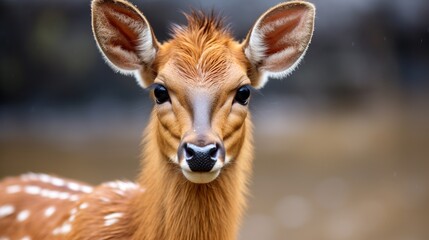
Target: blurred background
[[342, 145]]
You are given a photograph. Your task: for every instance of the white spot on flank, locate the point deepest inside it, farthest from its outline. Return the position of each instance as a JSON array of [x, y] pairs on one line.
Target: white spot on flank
[[29, 177], [23, 215], [112, 184], [44, 178], [32, 190], [58, 182], [49, 194], [53, 194], [49, 211], [121, 185], [6, 210], [73, 211], [83, 205], [26, 238], [64, 195], [13, 189], [58, 195], [86, 189], [112, 218], [73, 186], [66, 228]]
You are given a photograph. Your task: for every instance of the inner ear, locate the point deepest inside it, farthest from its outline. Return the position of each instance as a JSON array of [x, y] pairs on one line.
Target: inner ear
[[285, 33], [119, 39], [279, 39], [124, 37]]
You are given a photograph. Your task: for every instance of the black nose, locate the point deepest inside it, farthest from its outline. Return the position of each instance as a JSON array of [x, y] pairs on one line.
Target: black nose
[[201, 159]]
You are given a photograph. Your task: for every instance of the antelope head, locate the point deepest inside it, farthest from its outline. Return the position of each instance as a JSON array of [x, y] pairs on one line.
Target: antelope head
[[201, 79]]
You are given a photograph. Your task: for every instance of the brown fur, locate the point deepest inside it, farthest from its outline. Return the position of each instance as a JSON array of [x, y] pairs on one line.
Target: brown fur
[[34, 226], [202, 67], [186, 210], [202, 50]]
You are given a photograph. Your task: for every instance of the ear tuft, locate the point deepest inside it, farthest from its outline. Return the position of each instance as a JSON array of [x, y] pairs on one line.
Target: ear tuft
[[124, 37], [279, 39]]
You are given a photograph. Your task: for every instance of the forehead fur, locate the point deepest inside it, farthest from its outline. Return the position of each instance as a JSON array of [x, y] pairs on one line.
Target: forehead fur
[[203, 50]]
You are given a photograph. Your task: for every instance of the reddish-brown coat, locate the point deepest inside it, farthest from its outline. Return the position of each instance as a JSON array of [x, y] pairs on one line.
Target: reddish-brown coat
[[201, 59]]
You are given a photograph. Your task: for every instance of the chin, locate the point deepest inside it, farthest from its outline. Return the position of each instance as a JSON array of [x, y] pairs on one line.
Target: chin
[[201, 177]]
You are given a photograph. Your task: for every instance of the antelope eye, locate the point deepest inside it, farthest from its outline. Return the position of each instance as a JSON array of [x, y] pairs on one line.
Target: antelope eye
[[242, 95], [161, 94]]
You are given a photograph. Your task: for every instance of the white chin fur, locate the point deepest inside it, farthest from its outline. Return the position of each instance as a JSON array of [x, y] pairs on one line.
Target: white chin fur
[[201, 177]]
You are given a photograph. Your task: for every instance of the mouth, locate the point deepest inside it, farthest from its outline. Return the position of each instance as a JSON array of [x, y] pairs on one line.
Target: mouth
[[201, 177]]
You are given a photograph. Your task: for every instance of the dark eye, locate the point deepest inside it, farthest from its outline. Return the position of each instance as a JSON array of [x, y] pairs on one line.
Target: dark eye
[[242, 95], [161, 94]]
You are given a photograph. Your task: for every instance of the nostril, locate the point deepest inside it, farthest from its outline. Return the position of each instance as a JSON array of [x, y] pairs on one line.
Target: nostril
[[213, 152], [189, 152]]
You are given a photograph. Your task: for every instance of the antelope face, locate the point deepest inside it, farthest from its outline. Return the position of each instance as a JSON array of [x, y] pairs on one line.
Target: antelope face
[[200, 80], [202, 114]]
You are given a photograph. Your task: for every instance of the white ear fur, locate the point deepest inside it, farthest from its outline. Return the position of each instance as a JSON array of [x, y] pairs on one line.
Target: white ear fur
[[120, 51], [279, 39]]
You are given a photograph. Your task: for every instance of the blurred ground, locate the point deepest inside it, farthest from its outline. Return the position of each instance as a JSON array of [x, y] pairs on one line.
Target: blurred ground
[[360, 173]]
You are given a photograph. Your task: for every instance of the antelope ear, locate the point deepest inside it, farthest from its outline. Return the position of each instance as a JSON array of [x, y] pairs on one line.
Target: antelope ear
[[278, 40], [124, 38]]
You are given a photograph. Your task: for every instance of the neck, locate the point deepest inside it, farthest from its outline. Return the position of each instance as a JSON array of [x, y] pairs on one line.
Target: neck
[[174, 208]]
